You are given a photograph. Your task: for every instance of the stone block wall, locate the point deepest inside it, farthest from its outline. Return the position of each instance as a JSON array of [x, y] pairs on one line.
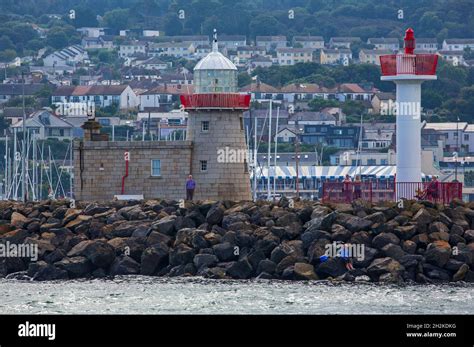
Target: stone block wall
[[223, 180], [103, 166]]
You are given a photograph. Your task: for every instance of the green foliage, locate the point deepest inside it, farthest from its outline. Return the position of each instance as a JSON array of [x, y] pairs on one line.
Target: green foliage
[[117, 18], [319, 104], [244, 79]]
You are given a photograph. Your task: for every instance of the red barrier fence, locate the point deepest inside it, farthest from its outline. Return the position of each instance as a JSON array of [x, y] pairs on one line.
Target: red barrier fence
[[442, 192], [412, 64]]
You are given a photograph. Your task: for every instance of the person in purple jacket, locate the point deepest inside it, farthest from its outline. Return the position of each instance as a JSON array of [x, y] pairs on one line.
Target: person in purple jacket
[[190, 186]]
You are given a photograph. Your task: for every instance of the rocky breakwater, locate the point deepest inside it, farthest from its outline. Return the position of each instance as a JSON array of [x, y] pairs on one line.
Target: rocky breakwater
[[422, 242]]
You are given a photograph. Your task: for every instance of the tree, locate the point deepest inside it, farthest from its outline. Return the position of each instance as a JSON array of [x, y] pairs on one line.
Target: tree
[[117, 19], [173, 26], [57, 38], [265, 25], [318, 104], [244, 79], [85, 17], [7, 55], [6, 43]]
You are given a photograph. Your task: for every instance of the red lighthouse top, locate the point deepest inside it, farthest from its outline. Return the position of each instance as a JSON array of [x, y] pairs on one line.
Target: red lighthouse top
[[409, 41], [409, 63]]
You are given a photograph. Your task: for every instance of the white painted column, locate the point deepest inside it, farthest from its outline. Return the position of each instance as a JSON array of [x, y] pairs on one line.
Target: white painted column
[[408, 130]]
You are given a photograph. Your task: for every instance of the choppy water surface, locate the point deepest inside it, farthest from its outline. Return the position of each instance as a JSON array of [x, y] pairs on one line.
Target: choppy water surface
[[151, 295]]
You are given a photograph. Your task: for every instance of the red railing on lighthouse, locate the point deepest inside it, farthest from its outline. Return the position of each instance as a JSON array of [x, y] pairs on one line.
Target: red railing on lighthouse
[[413, 64], [216, 101], [408, 63]]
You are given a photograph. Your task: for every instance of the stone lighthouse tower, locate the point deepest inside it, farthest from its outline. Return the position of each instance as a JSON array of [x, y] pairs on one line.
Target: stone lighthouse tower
[[215, 127], [408, 71]]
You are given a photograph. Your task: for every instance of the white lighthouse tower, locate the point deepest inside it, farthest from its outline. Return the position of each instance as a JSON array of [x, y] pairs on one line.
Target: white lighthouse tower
[[408, 70]]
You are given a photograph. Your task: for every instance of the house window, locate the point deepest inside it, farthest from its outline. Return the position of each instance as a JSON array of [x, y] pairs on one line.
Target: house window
[[466, 137], [384, 161], [203, 164], [155, 167], [205, 126], [371, 162]]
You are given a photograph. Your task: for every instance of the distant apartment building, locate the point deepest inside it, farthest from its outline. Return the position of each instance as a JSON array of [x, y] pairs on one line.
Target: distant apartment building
[[429, 45], [100, 42], [300, 119], [335, 136], [91, 31], [132, 48], [262, 91], [292, 56], [453, 57], [335, 56], [364, 158], [457, 44], [457, 136], [154, 63], [259, 61], [271, 43], [313, 42], [343, 42], [162, 96], [152, 33], [71, 56], [377, 135], [172, 49], [232, 41], [244, 53], [15, 90], [202, 50], [372, 56], [101, 96], [384, 43], [195, 40]]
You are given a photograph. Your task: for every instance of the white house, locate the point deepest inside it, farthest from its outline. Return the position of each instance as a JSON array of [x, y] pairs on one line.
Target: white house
[[101, 95], [271, 43], [454, 57], [313, 42], [162, 96], [336, 56], [292, 56], [343, 42], [366, 158], [426, 44], [372, 56], [91, 31], [244, 53], [46, 125], [97, 43], [385, 43], [457, 44], [173, 49], [233, 41], [132, 48], [154, 63], [71, 56]]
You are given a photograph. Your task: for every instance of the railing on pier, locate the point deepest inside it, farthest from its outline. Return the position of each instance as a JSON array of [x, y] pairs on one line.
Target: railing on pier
[[346, 192]]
